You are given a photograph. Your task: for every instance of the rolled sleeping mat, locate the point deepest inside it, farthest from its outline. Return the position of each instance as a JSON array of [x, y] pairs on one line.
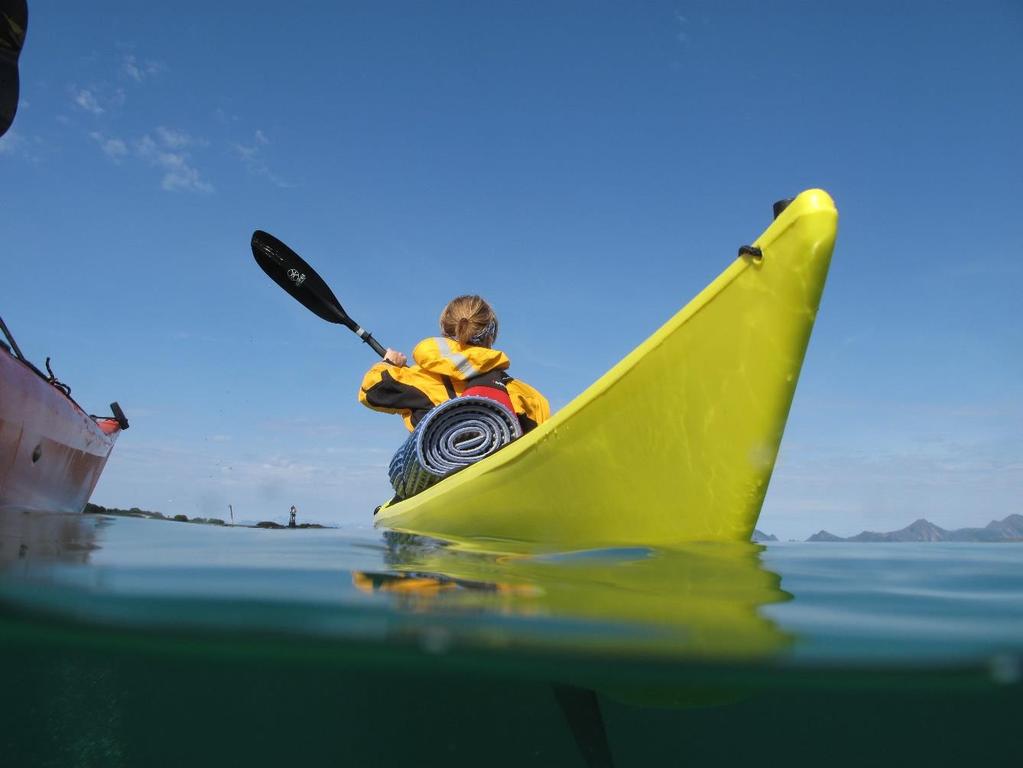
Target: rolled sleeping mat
[[455, 434]]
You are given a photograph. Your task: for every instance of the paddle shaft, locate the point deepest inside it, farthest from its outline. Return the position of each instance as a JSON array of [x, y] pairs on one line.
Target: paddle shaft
[[354, 327], [367, 337]]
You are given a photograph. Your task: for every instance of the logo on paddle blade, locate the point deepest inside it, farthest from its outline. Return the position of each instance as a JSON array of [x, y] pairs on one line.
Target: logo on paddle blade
[[296, 277]]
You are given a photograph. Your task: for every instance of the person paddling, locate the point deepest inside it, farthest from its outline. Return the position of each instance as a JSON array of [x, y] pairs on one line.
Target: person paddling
[[462, 361]]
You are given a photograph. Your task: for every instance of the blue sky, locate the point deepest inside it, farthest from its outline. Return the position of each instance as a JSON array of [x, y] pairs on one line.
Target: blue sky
[[588, 167]]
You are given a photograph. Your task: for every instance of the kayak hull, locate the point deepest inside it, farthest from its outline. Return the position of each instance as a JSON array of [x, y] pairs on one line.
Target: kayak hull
[[51, 452], [677, 442]]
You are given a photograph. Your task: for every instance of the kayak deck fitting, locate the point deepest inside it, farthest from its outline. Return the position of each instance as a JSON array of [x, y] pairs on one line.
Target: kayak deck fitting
[[677, 442]]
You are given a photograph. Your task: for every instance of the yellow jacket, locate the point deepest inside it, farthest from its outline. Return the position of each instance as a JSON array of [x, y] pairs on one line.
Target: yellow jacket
[[443, 370]]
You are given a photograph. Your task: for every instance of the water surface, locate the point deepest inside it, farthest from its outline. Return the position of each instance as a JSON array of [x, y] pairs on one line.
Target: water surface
[[145, 642]]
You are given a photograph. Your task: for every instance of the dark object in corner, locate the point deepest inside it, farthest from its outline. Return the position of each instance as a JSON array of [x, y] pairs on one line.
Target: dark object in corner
[[13, 25]]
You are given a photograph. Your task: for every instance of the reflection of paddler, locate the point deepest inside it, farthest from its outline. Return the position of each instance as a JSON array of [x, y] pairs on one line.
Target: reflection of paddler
[[387, 582], [428, 584]]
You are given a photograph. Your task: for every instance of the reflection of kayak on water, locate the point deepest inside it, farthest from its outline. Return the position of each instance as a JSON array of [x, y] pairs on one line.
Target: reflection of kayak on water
[[692, 601], [676, 442]]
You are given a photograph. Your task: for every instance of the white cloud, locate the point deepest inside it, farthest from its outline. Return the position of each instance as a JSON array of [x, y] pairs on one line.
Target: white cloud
[[139, 71], [165, 152], [173, 139], [179, 173], [251, 155], [114, 148], [86, 99], [97, 99]]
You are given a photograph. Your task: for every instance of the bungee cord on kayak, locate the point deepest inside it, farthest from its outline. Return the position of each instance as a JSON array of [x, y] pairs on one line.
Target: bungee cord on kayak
[[52, 379]]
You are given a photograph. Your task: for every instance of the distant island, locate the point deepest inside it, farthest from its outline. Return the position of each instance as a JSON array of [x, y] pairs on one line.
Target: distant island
[[760, 536], [96, 509], [1009, 529]]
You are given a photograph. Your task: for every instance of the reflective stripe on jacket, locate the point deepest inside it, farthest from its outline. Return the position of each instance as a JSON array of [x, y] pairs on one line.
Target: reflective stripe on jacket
[[443, 370]]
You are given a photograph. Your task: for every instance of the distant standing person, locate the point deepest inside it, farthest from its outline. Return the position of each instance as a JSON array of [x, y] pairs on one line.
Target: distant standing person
[[294, 513]]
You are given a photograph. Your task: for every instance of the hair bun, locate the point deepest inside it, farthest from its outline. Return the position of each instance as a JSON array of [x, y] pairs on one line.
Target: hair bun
[[469, 320]]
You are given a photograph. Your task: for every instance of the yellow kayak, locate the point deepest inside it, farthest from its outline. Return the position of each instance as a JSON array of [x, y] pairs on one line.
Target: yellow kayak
[[676, 443]]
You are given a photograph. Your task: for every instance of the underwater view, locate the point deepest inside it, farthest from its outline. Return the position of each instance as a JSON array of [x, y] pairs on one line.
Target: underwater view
[[130, 642]]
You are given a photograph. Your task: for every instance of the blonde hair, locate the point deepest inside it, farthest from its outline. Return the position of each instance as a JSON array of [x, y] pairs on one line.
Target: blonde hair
[[469, 320]]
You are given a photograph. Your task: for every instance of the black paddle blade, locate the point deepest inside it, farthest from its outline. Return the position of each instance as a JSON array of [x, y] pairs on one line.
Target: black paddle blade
[[290, 272]]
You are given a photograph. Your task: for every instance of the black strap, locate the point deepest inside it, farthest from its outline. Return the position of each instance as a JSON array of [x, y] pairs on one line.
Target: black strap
[[450, 387], [14, 345], [497, 379]]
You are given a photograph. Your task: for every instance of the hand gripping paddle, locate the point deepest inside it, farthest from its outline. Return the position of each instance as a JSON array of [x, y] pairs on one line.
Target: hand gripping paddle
[[290, 272]]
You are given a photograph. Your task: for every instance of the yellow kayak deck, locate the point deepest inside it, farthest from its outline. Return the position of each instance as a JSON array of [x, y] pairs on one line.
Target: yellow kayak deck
[[676, 443]]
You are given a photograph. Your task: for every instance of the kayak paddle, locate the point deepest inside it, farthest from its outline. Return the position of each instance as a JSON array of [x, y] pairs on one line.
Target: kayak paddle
[[290, 272]]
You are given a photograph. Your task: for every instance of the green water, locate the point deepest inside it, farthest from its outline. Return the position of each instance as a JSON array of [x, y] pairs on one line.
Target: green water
[[138, 642]]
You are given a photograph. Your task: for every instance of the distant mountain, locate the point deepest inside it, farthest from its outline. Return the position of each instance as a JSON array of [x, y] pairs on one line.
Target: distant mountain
[[760, 536], [919, 530], [1009, 529], [825, 536]]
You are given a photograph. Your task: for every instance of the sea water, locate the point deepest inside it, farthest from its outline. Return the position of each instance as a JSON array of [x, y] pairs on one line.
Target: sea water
[[135, 642]]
